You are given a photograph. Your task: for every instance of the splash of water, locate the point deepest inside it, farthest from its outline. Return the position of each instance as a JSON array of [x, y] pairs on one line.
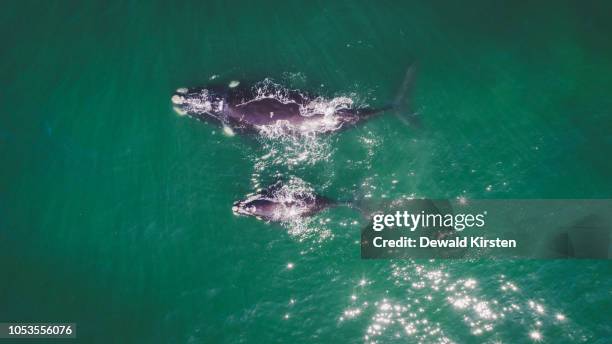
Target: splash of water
[[295, 195]]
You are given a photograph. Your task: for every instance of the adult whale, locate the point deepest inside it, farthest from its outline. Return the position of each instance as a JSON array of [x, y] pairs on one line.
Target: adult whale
[[240, 108]]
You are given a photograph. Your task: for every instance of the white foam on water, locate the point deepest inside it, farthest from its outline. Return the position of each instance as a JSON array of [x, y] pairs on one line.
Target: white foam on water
[[286, 145], [295, 196], [309, 106]]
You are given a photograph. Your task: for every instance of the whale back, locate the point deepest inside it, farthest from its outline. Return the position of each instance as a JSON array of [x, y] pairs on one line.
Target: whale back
[[267, 111]]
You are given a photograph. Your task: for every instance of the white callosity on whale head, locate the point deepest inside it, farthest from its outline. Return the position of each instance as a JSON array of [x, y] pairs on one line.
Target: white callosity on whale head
[[178, 100], [205, 106], [194, 102], [227, 131], [179, 111], [245, 207], [241, 209]]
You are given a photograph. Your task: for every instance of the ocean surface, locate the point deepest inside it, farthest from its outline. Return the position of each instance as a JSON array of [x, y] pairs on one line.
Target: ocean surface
[[115, 212]]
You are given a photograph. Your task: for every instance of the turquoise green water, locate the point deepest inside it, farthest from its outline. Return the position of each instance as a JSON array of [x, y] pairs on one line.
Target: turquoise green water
[[115, 213]]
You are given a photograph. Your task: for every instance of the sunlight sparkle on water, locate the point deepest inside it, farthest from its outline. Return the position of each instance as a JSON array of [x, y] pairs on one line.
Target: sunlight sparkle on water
[[462, 200], [535, 335], [479, 311]]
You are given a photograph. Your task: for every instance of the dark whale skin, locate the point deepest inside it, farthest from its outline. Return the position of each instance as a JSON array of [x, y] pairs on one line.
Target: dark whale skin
[[270, 206], [239, 109]]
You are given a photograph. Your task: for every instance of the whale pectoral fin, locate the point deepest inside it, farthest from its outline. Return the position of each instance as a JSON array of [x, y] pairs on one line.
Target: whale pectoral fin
[[412, 119], [405, 87], [401, 103]]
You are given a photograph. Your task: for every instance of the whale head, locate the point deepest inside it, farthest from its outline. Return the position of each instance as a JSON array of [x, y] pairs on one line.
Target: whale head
[[257, 207], [198, 102]]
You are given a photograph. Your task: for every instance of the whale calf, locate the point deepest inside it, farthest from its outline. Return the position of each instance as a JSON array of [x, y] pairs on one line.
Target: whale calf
[[282, 203], [247, 109]]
